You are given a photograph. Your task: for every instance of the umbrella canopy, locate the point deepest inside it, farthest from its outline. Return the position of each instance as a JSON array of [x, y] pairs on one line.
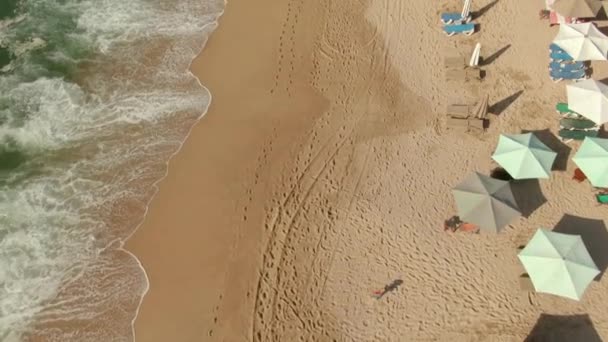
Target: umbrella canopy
[[592, 159], [485, 202], [523, 156], [584, 42], [590, 99], [558, 264], [577, 8]]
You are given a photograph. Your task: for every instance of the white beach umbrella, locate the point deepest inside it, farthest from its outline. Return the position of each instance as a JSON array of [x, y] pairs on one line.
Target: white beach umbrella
[[584, 42], [589, 98]]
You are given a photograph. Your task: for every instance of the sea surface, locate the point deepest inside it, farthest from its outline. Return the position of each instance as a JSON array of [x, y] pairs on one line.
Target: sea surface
[[95, 98]]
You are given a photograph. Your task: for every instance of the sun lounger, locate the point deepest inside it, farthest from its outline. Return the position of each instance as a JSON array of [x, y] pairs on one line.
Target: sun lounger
[[554, 65], [460, 110], [454, 18], [468, 29], [571, 134], [455, 62], [564, 111], [602, 198], [559, 75], [560, 57], [468, 117], [578, 124], [555, 48], [470, 124], [466, 74]]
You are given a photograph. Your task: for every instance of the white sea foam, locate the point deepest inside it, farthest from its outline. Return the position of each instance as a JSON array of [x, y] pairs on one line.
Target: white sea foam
[[87, 149]]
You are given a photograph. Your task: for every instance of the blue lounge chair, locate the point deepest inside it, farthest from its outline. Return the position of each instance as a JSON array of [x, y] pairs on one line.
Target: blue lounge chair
[[567, 66], [556, 48], [560, 57], [468, 29], [452, 18], [559, 75]]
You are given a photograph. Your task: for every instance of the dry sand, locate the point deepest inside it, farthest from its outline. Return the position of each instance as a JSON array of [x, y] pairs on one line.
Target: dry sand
[[323, 171]]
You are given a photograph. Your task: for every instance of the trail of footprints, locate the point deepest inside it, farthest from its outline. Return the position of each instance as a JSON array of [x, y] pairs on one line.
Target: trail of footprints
[[286, 64]]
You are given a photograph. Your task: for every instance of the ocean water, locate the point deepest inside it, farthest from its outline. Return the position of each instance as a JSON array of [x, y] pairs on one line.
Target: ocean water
[[95, 97]]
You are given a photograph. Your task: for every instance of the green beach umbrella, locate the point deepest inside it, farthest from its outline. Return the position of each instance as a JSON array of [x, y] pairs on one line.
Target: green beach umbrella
[[558, 264], [592, 159], [486, 202], [523, 156]]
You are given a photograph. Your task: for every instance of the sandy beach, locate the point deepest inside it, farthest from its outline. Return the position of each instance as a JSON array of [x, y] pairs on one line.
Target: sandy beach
[[323, 171]]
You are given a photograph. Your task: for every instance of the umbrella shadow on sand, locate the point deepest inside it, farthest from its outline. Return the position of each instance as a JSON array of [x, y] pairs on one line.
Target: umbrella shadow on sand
[[528, 195], [555, 144], [563, 328], [594, 235], [526, 192], [500, 106]]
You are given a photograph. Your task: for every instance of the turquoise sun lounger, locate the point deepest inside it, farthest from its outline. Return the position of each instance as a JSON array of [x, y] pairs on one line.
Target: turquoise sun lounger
[[453, 18], [468, 29], [559, 75], [562, 109]]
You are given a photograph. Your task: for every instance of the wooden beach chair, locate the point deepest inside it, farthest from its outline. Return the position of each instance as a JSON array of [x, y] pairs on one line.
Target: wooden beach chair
[[465, 74], [468, 118], [454, 62]]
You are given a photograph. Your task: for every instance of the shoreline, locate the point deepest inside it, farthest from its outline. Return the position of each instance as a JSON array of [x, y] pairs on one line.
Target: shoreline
[[124, 241], [198, 69]]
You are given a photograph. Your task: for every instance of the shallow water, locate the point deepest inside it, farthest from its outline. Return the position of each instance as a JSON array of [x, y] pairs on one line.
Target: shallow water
[[95, 97]]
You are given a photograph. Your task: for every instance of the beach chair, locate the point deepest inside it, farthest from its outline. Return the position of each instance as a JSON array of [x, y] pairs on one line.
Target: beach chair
[[460, 110], [468, 29], [464, 74], [574, 75], [567, 135], [454, 62], [565, 66], [560, 57], [467, 117], [458, 18], [453, 18], [564, 111], [555, 48], [467, 125], [578, 124]]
